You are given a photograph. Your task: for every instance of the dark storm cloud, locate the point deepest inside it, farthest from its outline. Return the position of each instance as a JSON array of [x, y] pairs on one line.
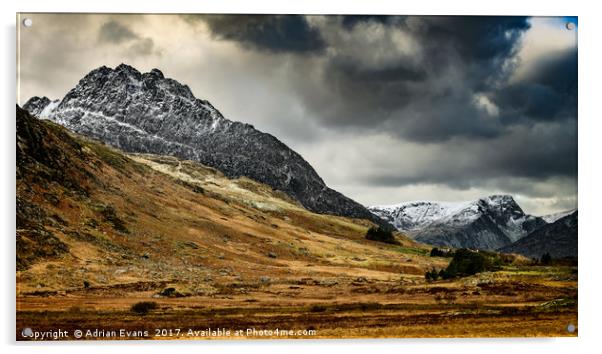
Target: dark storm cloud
[[114, 32], [143, 47], [534, 153], [273, 33], [476, 37], [424, 97], [363, 91], [546, 94], [381, 76]]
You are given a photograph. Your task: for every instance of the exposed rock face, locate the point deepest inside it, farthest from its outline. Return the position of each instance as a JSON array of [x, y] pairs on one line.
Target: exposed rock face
[[148, 113], [36, 105], [559, 239], [488, 223]]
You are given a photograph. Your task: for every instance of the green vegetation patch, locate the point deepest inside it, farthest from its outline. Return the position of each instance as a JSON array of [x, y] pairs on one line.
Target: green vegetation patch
[[109, 156], [381, 235], [469, 262], [411, 250]]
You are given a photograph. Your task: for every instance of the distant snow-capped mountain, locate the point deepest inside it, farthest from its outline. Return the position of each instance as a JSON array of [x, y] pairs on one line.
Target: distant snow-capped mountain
[[148, 113], [558, 239], [415, 216], [487, 223]]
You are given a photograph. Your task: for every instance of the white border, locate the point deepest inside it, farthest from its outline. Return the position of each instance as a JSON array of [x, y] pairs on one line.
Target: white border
[[589, 170]]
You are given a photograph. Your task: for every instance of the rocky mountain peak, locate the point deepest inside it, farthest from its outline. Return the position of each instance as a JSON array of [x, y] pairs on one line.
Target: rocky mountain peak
[[501, 202], [503, 207], [36, 105], [500, 199], [156, 72], [148, 113]]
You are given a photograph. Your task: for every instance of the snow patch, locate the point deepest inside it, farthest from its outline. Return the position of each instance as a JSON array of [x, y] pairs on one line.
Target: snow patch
[[49, 109]]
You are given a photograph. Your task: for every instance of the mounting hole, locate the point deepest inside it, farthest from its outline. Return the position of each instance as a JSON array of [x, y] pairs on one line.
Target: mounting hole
[[28, 22], [27, 332], [570, 26], [570, 328]]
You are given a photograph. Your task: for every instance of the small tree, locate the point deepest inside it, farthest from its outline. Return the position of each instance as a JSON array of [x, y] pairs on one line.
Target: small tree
[[467, 262], [431, 274], [435, 252], [381, 235]]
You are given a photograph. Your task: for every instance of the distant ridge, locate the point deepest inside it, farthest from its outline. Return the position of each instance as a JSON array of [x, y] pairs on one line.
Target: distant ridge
[[559, 239], [487, 223]]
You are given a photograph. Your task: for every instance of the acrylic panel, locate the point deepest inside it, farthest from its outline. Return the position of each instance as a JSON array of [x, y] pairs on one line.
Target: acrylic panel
[[234, 177]]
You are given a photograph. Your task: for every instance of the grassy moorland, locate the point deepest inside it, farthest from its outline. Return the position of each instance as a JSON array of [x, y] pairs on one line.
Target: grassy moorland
[[99, 231]]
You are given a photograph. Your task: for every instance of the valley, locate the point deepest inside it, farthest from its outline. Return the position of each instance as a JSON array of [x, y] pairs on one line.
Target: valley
[[100, 230]]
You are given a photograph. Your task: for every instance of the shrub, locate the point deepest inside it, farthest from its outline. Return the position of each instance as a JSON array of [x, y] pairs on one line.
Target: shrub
[[467, 262], [317, 308], [436, 252], [168, 292], [381, 235], [431, 274], [144, 307]]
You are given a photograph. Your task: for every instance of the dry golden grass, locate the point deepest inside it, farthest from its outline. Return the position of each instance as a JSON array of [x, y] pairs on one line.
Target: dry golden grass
[[242, 255]]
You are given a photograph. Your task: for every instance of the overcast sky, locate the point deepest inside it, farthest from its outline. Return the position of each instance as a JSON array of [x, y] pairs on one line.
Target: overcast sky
[[386, 109]]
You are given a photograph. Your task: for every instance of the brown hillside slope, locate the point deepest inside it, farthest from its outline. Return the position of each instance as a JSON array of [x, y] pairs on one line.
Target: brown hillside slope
[[118, 219], [98, 231]]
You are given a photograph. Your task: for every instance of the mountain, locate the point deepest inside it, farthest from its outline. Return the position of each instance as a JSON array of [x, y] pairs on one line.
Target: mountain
[[148, 113], [415, 216], [487, 223], [559, 239], [92, 219], [550, 218]]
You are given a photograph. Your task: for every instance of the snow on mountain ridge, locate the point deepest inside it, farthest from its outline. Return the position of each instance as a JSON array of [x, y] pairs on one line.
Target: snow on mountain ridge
[[413, 216], [551, 218]]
